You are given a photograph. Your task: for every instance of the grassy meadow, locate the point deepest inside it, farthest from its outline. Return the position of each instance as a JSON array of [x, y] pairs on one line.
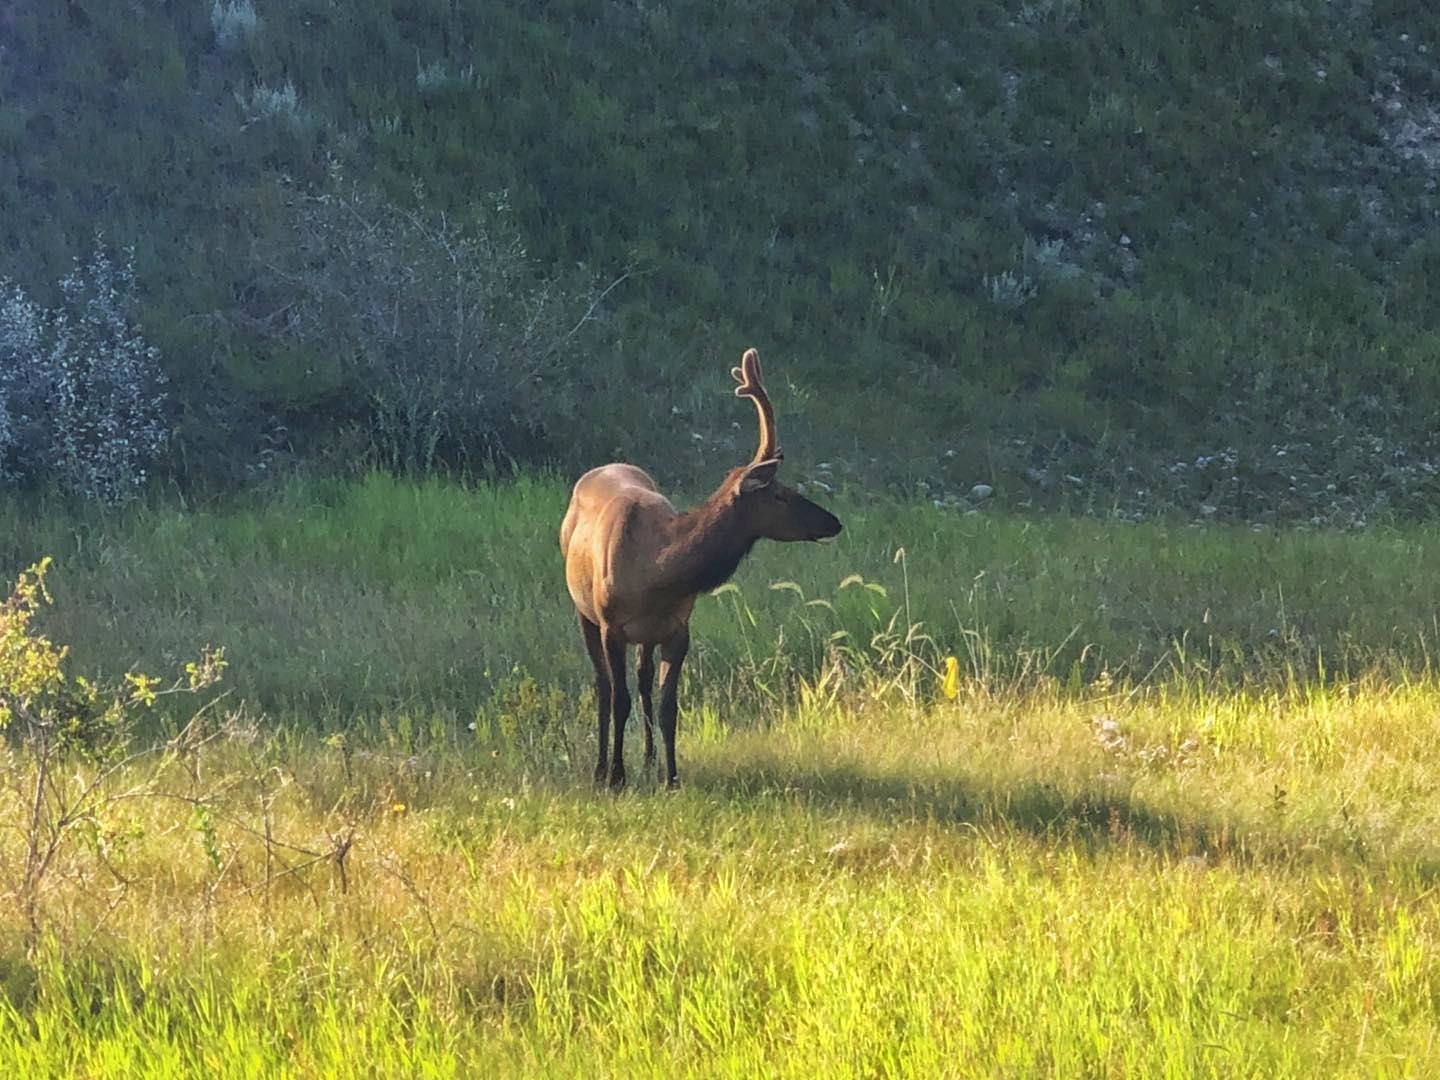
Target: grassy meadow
[[1142, 790], [1178, 817]]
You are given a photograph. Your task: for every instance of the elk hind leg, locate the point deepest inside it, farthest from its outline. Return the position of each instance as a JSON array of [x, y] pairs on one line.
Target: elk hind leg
[[613, 644], [602, 693], [645, 678]]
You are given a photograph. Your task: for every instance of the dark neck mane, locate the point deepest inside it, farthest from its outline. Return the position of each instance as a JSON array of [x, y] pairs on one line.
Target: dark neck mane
[[706, 547]]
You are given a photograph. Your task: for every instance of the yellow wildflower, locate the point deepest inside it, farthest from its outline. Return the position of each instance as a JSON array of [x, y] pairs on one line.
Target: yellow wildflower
[[950, 684], [142, 687]]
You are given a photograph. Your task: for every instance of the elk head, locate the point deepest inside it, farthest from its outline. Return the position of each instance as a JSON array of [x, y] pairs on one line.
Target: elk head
[[770, 509]]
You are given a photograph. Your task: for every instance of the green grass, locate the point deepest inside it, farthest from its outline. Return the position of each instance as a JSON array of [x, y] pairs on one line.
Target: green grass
[[341, 598], [1109, 855]]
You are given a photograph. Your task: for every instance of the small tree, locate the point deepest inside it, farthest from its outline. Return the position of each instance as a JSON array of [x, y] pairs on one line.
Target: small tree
[[456, 342], [73, 739], [22, 390], [81, 392]]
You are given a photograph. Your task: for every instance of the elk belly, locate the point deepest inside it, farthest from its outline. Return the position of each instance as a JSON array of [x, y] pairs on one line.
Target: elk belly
[[656, 628]]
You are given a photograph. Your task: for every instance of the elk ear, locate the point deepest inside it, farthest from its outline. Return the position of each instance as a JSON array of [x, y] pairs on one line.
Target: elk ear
[[760, 475]]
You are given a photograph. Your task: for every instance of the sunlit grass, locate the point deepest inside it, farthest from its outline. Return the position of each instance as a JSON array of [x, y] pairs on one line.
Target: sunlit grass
[[970, 888]]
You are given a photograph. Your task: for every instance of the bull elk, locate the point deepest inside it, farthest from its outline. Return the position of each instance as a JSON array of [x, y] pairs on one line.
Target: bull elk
[[634, 566]]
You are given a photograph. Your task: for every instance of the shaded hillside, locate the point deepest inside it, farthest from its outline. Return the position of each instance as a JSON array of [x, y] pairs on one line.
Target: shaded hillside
[[1183, 258]]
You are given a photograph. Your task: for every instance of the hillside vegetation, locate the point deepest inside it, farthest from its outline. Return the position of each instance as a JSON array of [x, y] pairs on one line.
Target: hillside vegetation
[[1117, 254]]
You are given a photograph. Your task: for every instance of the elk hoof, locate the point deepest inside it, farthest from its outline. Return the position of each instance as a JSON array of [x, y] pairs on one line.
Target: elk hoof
[[617, 779]]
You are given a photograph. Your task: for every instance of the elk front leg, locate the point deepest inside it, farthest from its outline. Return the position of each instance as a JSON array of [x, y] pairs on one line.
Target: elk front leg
[[645, 678], [672, 658], [613, 643], [602, 693]]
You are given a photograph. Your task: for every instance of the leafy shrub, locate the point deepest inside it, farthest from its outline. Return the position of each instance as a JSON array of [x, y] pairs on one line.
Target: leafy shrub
[[278, 103], [234, 22], [81, 398], [20, 334], [37, 696], [458, 346], [66, 722]]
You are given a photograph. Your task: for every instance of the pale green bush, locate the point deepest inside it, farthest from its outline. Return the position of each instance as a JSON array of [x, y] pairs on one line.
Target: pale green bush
[[82, 396]]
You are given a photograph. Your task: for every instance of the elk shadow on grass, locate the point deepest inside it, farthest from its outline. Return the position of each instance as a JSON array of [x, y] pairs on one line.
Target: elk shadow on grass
[[1093, 818]]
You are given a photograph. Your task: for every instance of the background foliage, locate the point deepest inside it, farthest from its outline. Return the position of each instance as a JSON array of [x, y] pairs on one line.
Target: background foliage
[[81, 392], [1110, 254]]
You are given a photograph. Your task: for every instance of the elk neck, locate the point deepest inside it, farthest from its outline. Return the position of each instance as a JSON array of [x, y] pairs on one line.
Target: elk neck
[[706, 546]]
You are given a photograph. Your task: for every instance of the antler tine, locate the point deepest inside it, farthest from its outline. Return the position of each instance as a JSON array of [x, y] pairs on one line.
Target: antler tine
[[748, 376]]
